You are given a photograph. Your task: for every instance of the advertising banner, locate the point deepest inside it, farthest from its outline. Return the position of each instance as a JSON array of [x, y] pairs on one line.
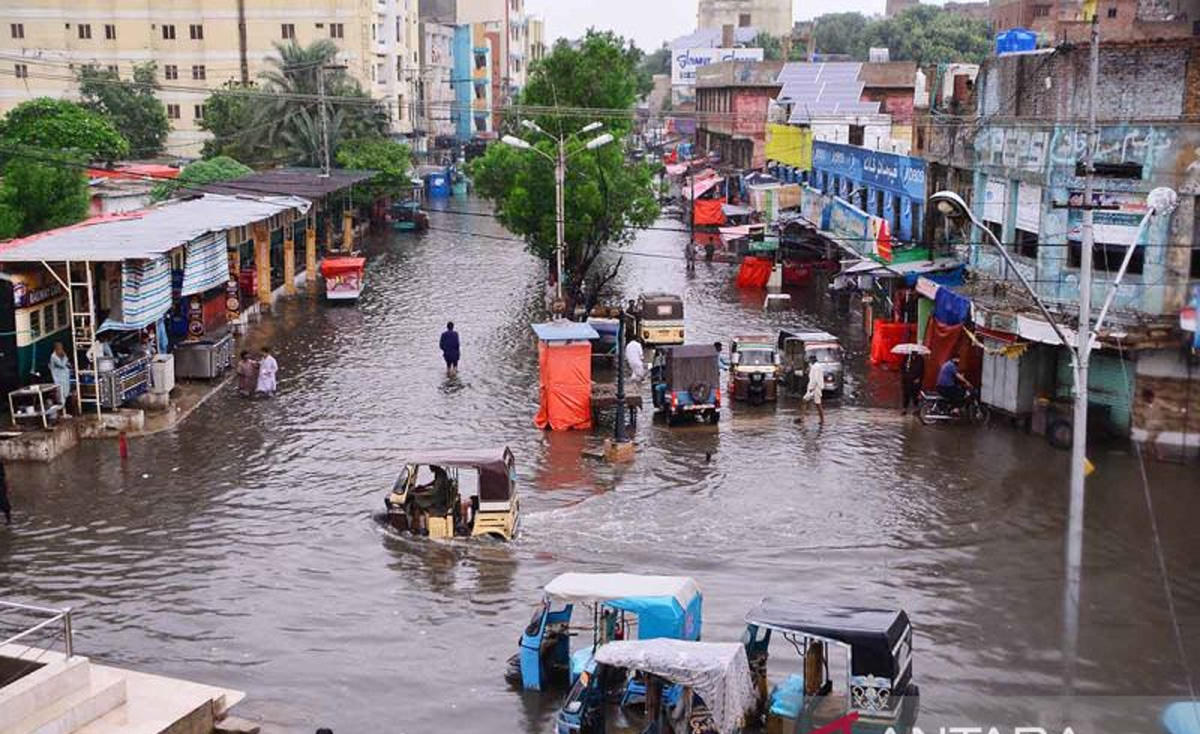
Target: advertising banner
[[685, 61]]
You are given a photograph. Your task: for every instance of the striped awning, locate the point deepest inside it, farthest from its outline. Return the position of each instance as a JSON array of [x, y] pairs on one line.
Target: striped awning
[[206, 265], [145, 294]]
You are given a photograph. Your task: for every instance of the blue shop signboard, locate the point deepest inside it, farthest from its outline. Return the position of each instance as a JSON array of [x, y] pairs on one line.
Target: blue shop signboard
[[899, 174]]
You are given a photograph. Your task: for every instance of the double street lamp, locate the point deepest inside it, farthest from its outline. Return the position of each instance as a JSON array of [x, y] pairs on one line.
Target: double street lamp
[[560, 176], [1160, 202]]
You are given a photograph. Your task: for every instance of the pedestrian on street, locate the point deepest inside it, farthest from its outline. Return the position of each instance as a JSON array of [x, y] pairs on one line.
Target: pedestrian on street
[[816, 389], [722, 360], [911, 377], [5, 505], [267, 370], [450, 349], [635, 357], [60, 371], [247, 372]]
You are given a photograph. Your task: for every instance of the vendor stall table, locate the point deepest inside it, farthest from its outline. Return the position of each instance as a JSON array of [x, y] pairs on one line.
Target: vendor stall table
[[38, 401]]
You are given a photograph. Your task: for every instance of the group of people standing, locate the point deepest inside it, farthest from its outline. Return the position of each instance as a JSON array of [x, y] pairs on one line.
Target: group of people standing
[[257, 375]]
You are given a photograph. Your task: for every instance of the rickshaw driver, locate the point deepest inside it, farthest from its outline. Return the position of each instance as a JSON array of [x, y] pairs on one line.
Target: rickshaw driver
[[951, 385]]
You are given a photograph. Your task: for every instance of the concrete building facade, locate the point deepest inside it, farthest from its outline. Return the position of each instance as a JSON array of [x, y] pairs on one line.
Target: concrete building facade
[[769, 16], [435, 116], [201, 44], [1120, 20], [732, 99]]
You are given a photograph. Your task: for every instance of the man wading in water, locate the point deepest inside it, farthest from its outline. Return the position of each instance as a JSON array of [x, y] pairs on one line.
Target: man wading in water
[[449, 347]]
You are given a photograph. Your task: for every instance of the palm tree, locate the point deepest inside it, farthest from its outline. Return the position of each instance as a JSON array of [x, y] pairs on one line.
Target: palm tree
[[286, 124]]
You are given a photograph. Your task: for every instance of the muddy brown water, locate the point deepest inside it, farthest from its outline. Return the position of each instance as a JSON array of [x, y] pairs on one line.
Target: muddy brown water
[[243, 548]]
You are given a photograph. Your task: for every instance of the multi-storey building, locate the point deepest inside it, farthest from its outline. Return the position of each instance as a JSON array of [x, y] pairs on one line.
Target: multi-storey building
[[1120, 20], [435, 115], [732, 98], [537, 40], [769, 16], [200, 45]]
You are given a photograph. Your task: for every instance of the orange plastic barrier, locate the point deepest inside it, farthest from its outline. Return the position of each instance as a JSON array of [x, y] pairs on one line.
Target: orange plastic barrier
[[754, 272], [888, 334], [566, 389], [707, 212]]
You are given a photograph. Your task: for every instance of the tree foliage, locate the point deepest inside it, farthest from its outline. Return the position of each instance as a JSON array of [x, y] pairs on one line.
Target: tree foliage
[[42, 194], [390, 160], [59, 125], [209, 170], [925, 34], [655, 62], [132, 105], [285, 123], [228, 113], [607, 198]]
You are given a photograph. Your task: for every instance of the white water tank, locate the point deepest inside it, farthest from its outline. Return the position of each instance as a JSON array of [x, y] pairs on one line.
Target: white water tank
[[921, 90]]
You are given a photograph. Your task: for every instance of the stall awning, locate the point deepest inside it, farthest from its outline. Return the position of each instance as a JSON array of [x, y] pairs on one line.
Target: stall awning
[[206, 264], [565, 331], [146, 234], [920, 267], [700, 187], [145, 294]]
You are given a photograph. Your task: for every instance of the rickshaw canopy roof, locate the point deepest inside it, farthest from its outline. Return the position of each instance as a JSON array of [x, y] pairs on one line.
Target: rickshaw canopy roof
[[872, 634], [336, 265], [718, 672], [590, 588], [492, 465]]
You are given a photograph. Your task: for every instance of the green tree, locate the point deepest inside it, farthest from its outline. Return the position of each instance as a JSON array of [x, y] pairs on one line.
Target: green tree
[[772, 47], [228, 113], [840, 33], [390, 160], [286, 121], [130, 104], [607, 198], [927, 34], [209, 170], [59, 125], [43, 193]]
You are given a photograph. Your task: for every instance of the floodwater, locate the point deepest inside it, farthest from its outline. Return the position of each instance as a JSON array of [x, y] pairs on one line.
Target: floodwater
[[242, 549]]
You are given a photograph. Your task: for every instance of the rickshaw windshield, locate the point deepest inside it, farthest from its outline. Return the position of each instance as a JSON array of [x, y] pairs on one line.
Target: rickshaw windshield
[[827, 355], [756, 357]]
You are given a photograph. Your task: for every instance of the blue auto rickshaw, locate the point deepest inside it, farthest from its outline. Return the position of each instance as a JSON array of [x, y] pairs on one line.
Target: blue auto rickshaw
[[623, 606]]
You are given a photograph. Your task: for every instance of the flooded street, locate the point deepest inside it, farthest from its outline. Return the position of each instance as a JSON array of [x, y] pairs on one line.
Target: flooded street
[[242, 549]]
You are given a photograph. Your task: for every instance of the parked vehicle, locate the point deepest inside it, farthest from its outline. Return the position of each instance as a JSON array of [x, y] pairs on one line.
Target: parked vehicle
[[686, 381], [408, 216], [456, 494], [658, 319], [701, 687], [877, 645], [937, 409], [621, 606], [797, 347], [755, 369], [344, 277]]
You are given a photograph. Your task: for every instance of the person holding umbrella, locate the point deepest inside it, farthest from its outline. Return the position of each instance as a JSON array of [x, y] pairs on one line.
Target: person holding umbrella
[[912, 374]]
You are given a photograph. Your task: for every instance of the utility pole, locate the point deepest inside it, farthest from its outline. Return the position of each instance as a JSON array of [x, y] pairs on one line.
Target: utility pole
[[324, 122], [1082, 355], [560, 212], [619, 429]]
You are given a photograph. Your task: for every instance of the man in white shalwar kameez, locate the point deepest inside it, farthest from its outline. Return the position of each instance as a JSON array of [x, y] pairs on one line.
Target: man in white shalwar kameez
[[267, 369]]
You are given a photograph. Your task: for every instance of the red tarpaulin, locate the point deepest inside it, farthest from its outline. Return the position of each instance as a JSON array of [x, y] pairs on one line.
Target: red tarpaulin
[[707, 212], [946, 341], [888, 334], [754, 273], [342, 265], [566, 389]]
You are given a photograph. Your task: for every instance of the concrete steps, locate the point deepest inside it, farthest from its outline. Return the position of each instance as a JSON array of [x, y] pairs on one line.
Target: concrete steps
[[67, 698]]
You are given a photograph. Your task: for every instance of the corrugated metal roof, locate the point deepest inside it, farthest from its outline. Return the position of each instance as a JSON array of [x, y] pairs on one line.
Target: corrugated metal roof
[[565, 331], [306, 182], [147, 233]]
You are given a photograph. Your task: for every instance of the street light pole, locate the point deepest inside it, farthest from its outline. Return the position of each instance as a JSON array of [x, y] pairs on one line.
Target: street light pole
[[324, 122], [560, 180]]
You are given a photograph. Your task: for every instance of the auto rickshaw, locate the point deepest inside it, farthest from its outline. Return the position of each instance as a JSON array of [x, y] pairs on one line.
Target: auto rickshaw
[[684, 688], [456, 494], [876, 652], [408, 216], [797, 349], [685, 380], [658, 319], [619, 606], [754, 369]]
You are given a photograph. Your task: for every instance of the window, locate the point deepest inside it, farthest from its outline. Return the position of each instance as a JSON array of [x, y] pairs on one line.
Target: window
[[173, 111], [48, 319], [1041, 11], [198, 112], [17, 29], [35, 323], [198, 71], [480, 60], [168, 32], [61, 308], [743, 20], [337, 30], [1106, 258], [196, 31], [110, 32], [287, 31], [85, 30], [171, 71], [21, 71], [995, 228], [1112, 12], [1026, 243], [857, 133]]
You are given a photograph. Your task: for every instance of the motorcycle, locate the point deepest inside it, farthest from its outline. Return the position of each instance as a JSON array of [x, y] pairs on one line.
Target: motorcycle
[[934, 408]]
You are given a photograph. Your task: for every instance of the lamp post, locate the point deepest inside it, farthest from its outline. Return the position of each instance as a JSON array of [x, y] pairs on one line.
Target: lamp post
[[1160, 202], [560, 177]]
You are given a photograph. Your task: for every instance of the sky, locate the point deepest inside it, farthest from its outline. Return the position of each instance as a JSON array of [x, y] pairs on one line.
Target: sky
[[650, 22]]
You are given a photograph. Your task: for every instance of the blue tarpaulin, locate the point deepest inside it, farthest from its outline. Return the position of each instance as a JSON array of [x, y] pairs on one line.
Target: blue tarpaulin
[[950, 308], [953, 276], [145, 294], [206, 266]]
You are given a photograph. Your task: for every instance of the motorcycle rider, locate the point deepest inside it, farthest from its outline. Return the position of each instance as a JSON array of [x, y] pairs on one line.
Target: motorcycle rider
[[951, 385]]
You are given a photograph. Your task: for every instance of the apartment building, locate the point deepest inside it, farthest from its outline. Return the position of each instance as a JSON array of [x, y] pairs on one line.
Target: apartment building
[[769, 16], [199, 45]]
